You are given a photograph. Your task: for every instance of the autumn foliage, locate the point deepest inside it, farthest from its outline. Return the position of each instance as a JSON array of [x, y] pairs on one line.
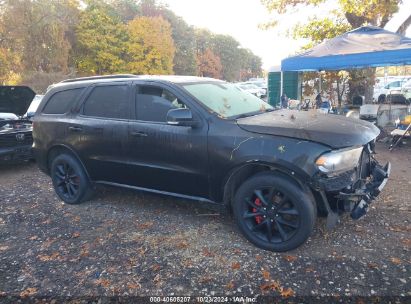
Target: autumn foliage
[[209, 64], [69, 38], [150, 48]]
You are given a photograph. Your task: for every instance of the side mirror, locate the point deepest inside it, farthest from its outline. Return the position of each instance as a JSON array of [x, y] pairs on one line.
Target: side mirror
[[180, 117], [30, 115]]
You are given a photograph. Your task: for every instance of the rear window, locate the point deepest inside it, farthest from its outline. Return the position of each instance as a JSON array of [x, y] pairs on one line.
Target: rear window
[[108, 102], [61, 102]]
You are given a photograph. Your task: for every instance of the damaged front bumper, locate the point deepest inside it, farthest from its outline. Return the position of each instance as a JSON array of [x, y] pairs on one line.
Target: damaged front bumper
[[365, 191], [350, 193]]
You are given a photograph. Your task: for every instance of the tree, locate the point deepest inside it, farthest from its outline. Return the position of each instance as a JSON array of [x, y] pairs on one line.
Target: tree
[[349, 15], [183, 35], [37, 32], [404, 26], [150, 49], [228, 49], [250, 65], [184, 40], [101, 41], [125, 10], [209, 64]]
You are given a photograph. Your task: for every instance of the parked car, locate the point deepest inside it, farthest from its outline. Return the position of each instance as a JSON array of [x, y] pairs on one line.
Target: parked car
[[33, 106], [252, 89], [15, 131], [206, 140], [406, 91], [380, 95], [262, 85]]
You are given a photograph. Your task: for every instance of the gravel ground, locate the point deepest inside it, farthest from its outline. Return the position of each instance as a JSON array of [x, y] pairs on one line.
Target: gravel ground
[[131, 243]]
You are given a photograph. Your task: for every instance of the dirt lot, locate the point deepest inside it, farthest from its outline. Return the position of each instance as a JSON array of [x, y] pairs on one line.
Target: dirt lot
[[130, 243]]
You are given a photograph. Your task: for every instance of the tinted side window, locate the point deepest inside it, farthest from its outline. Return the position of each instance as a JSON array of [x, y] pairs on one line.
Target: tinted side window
[[61, 102], [108, 101], [153, 103]]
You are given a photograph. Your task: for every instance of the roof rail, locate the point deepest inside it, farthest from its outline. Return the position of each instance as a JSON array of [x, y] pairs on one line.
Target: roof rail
[[100, 77]]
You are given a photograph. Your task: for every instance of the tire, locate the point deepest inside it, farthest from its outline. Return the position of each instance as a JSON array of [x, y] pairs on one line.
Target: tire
[[70, 180], [382, 98], [287, 220]]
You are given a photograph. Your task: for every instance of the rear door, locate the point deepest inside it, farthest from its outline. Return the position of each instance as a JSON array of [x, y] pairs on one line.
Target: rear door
[[103, 128], [166, 157]]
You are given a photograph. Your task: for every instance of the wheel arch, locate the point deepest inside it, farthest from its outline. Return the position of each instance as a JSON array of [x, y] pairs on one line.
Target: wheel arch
[[240, 174], [61, 148]]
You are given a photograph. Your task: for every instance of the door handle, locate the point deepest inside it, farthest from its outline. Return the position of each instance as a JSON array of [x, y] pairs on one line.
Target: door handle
[[138, 134], [75, 129]]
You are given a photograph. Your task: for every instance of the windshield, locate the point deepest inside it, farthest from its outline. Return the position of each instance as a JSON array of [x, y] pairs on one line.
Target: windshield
[[226, 99]]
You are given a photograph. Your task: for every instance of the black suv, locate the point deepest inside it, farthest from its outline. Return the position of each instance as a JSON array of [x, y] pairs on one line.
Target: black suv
[[207, 140]]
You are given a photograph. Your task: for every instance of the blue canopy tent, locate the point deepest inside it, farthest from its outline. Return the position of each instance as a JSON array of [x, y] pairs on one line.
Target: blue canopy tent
[[367, 46]]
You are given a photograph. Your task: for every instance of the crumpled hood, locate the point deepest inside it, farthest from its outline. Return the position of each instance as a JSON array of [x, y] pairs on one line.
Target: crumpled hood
[[15, 99], [334, 131]]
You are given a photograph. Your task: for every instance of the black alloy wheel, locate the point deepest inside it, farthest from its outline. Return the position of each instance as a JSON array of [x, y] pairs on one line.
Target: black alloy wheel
[[70, 180], [271, 215], [274, 213]]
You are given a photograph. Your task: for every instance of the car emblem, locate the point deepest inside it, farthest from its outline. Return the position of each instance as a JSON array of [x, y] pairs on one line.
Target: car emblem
[[20, 137]]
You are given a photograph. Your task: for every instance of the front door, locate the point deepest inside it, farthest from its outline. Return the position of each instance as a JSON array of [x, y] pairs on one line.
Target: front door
[[166, 157]]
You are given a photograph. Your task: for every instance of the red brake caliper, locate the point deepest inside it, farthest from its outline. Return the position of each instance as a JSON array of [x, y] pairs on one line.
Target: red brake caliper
[[258, 218]]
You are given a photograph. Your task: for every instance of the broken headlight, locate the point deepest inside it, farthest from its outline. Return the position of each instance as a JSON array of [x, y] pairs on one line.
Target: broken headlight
[[339, 160]]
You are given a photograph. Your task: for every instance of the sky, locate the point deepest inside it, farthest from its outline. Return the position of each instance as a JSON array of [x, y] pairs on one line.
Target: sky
[[241, 18]]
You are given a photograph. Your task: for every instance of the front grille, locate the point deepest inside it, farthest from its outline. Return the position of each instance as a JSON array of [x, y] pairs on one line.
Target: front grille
[[15, 139]]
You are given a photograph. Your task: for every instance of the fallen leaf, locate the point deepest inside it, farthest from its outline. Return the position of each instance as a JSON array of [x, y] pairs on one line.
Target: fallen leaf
[[266, 275], [28, 292], [207, 253], [182, 245], [205, 279], [290, 258], [406, 242], [258, 257], [230, 285], [287, 292], [103, 282], [396, 261], [157, 278], [75, 235], [156, 267], [76, 219], [46, 244], [273, 285], [235, 266], [34, 237], [133, 286], [3, 248], [53, 257], [142, 251], [372, 265], [2, 293], [400, 228], [145, 225], [309, 269], [237, 251], [46, 222]]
